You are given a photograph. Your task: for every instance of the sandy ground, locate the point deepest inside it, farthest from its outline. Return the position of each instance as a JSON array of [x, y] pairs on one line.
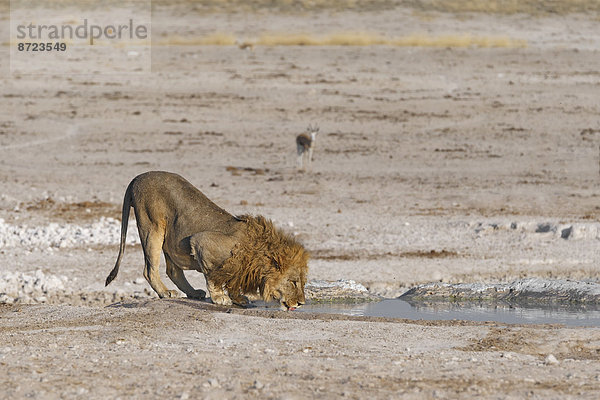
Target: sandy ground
[[466, 152]]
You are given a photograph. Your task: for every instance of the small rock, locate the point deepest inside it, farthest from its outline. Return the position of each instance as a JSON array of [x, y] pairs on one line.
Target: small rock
[[258, 385], [545, 228], [24, 298], [566, 232], [5, 299], [213, 383], [551, 360]]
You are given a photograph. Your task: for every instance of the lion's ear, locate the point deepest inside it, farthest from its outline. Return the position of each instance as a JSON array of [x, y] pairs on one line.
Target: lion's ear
[[276, 262]]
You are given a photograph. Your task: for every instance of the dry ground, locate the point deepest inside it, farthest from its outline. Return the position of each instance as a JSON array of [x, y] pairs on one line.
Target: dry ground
[[420, 147], [128, 350]]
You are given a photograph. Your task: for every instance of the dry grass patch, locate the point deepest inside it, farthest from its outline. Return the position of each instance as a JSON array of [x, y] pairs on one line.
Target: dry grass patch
[[335, 39], [465, 40], [346, 39], [350, 256], [532, 7], [216, 39], [73, 212], [281, 6], [373, 39]]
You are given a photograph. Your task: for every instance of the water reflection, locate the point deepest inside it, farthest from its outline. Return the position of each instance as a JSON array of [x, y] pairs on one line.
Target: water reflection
[[499, 312]]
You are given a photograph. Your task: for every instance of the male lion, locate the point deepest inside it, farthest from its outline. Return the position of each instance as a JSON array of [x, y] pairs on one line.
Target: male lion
[[240, 255]]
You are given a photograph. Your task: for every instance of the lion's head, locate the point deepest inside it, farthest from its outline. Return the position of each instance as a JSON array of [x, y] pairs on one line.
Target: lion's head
[[286, 279], [268, 261]]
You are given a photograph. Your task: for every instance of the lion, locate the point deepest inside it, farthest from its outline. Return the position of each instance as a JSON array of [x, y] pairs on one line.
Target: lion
[[238, 255]]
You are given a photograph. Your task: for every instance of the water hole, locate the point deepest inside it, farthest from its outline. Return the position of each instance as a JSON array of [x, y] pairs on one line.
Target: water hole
[[569, 315]]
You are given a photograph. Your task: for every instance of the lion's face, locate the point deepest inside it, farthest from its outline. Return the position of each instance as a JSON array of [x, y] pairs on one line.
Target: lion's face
[[286, 283], [290, 292]]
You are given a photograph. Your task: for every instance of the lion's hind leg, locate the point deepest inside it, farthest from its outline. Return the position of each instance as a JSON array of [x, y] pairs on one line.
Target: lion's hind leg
[[152, 242], [178, 277]]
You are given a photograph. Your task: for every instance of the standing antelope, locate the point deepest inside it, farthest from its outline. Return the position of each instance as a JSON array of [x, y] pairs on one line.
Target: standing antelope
[[305, 143]]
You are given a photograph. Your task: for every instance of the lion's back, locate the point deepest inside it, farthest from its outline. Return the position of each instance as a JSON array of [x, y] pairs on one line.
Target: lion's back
[[168, 198]]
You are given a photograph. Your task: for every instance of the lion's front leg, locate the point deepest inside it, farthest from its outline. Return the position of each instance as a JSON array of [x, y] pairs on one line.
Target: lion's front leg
[[177, 276], [217, 294]]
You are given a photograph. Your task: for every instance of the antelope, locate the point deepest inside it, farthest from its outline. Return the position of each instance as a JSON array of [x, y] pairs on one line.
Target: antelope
[[305, 143], [245, 45]]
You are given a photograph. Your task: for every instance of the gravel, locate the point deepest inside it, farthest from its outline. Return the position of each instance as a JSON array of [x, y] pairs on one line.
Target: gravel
[[38, 288], [18, 287], [105, 231]]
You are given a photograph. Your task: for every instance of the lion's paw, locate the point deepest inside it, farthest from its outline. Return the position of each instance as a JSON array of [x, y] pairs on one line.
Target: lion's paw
[[169, 294], [221, 300], [241, 300], [198, 294]]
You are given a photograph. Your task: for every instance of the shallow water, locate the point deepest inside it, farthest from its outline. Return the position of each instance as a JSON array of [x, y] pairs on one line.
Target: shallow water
[[504, 313]]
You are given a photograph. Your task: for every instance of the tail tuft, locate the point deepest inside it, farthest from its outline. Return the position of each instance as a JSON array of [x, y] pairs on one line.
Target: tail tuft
[[111, 276]]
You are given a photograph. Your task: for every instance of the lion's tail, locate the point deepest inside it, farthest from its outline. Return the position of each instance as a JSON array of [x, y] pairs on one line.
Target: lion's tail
[[124, 223]]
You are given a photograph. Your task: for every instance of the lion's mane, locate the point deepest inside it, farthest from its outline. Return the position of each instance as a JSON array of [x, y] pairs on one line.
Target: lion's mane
[[260, 259]]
